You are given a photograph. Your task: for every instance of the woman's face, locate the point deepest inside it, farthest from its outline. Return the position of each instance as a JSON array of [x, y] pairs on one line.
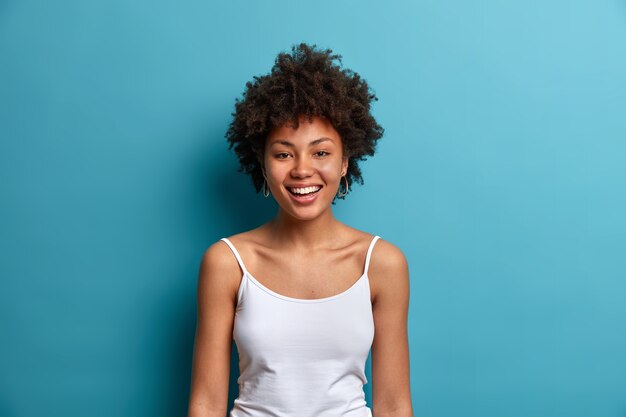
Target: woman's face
[[304, 166]]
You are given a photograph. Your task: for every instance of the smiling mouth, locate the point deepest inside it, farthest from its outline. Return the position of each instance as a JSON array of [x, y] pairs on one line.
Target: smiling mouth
[[301, 194]]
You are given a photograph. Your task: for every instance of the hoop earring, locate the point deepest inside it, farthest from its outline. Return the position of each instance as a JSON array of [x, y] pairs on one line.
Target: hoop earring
[[346, 189], [266, 191]]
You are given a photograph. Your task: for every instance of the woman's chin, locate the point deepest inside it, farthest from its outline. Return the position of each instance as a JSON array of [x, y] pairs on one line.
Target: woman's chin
[[303, 213]]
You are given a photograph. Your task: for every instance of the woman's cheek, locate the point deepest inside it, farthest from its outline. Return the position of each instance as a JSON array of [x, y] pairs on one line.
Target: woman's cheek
[[330, 169]]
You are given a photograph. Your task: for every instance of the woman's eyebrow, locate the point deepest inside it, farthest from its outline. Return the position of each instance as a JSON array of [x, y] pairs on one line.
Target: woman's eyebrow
[[312, 143]]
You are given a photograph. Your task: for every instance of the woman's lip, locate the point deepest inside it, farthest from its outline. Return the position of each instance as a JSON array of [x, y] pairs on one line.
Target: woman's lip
[[307, 199]]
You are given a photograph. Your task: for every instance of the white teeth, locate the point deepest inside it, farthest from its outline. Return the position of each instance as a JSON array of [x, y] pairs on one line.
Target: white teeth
[[305, 190]]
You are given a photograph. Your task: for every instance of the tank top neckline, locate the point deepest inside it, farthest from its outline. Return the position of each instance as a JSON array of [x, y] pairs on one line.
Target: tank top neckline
[[247, 274]]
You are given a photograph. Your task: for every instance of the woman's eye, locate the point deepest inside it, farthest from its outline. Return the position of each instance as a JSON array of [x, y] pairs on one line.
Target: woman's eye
[[321, 153], [282, 155]]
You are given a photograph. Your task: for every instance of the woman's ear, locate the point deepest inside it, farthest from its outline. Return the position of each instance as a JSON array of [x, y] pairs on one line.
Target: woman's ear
[[344, 165]]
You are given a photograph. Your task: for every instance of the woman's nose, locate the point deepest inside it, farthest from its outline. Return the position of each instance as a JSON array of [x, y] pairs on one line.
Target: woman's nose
[[302, 168]]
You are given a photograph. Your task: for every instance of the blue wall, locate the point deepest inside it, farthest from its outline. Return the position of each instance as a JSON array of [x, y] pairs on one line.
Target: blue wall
[[501, 176]]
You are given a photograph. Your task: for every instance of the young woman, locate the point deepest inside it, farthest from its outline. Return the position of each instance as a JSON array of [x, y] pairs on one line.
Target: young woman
[[304, 296]]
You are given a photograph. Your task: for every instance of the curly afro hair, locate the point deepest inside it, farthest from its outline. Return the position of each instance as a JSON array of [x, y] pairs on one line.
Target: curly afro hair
[[307, 82]]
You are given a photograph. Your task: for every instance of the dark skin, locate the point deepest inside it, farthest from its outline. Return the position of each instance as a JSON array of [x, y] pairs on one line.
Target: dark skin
[[301, 242]]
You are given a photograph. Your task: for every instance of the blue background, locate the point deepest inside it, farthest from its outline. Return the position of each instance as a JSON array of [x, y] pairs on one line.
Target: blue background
[[501, 176]]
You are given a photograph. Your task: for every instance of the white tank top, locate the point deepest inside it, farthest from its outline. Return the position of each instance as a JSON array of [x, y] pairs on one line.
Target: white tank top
[[302, 357]]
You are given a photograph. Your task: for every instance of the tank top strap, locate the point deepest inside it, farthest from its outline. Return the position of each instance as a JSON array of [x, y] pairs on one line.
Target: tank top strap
[[369, 253], [239, 260]]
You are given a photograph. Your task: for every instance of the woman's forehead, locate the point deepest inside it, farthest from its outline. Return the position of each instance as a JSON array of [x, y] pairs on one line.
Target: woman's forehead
[[308, 130]]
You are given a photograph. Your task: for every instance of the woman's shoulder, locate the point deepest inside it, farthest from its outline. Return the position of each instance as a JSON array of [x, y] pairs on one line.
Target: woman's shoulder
[[387, 257], [383, 247], [219, 269], [219, 257], [389, 273], [388, 249], [243, 241], [243, 244]]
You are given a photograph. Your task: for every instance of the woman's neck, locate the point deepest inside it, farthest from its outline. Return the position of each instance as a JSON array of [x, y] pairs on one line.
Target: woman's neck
[[304, 235]]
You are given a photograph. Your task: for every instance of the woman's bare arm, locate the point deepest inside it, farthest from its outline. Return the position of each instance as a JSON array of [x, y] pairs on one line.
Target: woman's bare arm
[[391, 393], [217, 288]]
